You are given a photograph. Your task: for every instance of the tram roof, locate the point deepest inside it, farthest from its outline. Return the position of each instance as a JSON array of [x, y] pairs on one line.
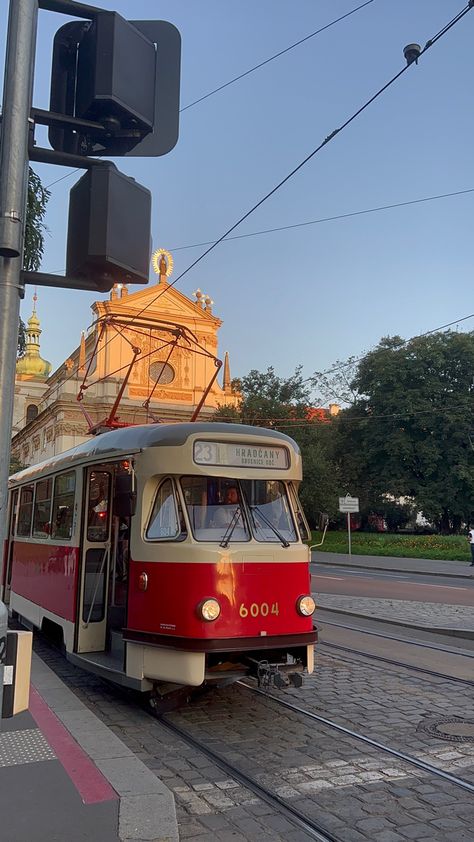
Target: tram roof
[[128, 440]]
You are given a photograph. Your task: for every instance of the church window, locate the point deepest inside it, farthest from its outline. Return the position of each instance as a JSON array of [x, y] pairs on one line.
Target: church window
[[161, 372], [31, 412]]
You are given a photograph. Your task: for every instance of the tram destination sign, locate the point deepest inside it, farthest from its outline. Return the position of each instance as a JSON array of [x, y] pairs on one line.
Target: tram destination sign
[[241, 455], [348, 504]]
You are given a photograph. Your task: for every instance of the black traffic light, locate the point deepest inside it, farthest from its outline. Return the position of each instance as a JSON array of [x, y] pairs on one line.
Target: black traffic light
[[123, 75], [108, 238]]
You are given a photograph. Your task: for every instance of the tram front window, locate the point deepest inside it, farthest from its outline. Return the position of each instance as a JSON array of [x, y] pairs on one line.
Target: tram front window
[[269, 506], [214, 508]]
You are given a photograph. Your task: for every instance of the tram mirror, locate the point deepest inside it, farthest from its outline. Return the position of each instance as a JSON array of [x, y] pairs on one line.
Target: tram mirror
[[323, 520], [125, 498]]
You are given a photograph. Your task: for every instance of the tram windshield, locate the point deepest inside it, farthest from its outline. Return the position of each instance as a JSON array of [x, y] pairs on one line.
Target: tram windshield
[[224, 509], [269, 506]]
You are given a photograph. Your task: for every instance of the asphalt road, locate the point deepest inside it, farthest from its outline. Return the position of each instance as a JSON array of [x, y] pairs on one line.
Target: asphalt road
[[387, 585]]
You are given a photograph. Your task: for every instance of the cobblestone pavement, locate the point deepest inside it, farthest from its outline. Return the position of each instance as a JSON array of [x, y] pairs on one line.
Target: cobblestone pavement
[[429, 614], [354, 790]]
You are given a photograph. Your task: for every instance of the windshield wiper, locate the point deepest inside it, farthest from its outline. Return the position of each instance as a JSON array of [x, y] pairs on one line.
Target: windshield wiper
[[254, 508], [230, 529]]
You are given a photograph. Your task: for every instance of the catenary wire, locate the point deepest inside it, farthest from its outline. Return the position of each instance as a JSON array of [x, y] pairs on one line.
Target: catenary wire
[[332, 218], [299, 166], [249, 71], [276, 55], [398, 345], [308, 158], [328, 371]]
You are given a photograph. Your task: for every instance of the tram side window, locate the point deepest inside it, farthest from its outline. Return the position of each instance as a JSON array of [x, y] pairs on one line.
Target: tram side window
[[166, 519], [26, 511], [42, 509], [99, 506], [303, 529], [63, 505]]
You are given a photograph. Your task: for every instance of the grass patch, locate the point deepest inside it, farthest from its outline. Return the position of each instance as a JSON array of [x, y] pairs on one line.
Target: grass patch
[[443, 547]]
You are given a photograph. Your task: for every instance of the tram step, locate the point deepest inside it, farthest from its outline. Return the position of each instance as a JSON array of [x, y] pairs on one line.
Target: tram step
[[116, 644]]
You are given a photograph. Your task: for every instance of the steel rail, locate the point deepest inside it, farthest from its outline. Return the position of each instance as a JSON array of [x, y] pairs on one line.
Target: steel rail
[[402, 664], [446, 649], [413, 761], [313, 830]]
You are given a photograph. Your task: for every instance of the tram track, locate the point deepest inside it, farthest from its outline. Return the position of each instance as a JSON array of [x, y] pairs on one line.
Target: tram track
[[403, 664], [302, 822], [278, 803], [418, 643], [413, 761]]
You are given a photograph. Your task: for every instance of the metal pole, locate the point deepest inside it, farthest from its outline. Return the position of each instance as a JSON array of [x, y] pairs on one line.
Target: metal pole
[[17, 96], [349, 531]]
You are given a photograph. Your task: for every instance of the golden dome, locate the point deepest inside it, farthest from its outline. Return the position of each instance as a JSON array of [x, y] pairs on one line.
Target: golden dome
[[31, 366]]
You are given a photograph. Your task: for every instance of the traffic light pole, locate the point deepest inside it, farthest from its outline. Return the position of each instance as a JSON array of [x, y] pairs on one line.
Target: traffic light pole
[[17, 98]]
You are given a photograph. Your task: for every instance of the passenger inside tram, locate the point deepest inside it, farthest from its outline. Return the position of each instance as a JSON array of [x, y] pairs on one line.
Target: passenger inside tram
[[224, 513]]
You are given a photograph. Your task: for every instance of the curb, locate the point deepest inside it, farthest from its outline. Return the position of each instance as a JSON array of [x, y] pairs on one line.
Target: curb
[[468, 634], [147, 808], [393, 569]]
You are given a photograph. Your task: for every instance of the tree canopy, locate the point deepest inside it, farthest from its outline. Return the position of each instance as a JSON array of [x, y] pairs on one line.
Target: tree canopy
[[35, 230], [282, 404], [409, 430], [35, 227]]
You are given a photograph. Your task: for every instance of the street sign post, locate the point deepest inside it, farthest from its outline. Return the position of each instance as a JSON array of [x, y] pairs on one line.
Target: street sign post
[[349, 504]]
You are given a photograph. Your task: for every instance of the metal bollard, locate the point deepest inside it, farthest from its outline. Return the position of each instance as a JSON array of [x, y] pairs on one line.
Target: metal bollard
[[3, 648]]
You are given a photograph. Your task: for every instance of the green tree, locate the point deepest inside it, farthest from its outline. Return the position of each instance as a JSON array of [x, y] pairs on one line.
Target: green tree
[[267, 399], [35, 230], [15, 465], [408, 430], [282, 404], [21, 339]]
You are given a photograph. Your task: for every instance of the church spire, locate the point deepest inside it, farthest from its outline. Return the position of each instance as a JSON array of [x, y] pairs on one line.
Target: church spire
[[31, 365], [226, 381], [82, 352]]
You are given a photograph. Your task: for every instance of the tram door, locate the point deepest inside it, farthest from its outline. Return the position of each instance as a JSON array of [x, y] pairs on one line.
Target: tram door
[[10, 547], [96, 560]]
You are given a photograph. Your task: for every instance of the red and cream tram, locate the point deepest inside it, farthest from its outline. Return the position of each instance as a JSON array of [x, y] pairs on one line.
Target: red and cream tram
[[167, 555]]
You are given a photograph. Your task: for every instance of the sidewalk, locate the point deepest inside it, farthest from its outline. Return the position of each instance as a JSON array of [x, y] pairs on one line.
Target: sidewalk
[[432, 567], [65, 777], [436, 617]]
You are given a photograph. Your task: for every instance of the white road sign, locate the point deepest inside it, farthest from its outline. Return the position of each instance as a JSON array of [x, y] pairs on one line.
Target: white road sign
[[348, 504]]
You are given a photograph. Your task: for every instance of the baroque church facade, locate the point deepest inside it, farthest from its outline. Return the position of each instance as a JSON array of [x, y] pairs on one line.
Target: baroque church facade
[[151, 356]]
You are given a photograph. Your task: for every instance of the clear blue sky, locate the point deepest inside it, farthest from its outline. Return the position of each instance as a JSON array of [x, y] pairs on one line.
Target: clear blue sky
[[309, 295]]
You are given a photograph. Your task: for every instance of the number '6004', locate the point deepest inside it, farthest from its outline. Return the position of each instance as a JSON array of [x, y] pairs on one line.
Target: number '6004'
[[262, 609]]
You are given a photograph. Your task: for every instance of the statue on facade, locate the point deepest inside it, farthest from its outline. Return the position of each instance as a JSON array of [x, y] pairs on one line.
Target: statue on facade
[[163, 266]]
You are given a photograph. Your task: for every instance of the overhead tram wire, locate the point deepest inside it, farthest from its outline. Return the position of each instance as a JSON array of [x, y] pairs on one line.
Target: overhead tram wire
[[296, 169], [328, 371], [331, 218], [249, 71], [322, 219], [276, 55], [399, 345], [309, 157]]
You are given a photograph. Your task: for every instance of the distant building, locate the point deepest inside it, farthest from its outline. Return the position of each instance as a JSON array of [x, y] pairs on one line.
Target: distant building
[[317, 413], [173, 340]]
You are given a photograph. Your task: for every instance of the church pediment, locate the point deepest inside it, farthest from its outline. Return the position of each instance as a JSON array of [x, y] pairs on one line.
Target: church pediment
[[155, 302]]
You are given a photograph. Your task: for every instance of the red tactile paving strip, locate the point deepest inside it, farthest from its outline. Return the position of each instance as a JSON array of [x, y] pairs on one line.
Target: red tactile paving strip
[[86, 777]]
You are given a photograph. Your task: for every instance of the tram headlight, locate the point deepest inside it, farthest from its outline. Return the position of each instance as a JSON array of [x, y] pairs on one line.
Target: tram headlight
[[209, 610], [305, 605]]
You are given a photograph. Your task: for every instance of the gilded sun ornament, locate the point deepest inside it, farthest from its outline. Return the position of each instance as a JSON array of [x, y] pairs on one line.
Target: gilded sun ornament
[[162, 262]]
